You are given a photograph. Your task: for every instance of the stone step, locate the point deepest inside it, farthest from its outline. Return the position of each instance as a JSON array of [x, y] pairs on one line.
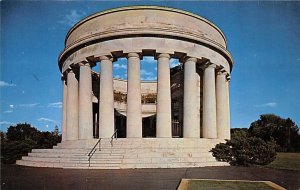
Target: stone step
[[39, 164], [74, 151], [42, 159], [54, 155], [118, 165], [167, 155], [86, 165], [107, 159], [125, 156], [206, 147], [142, 165], [188, 149], [97, 161], [122, 151], [126, 153], [143, 143]]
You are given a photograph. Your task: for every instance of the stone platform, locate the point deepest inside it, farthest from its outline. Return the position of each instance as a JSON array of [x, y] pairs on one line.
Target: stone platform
[[126, 153]]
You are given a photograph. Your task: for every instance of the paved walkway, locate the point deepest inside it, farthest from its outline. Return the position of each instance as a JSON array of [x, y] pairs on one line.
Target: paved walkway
[[20, 177]]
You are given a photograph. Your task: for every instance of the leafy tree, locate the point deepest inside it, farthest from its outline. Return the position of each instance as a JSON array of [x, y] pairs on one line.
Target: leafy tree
[[272, 127], [14, 150], [239, 133], [245, 150], [3, 137], [22, 131], [20, 139]]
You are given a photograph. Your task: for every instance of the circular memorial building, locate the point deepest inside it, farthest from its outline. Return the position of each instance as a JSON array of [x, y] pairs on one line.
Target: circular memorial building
[[171, 122]]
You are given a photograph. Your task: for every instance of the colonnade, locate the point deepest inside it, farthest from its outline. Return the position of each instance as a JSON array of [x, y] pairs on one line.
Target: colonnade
[[77, 116]]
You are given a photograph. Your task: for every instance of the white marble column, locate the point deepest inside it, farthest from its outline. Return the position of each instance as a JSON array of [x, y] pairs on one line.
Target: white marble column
[[64, 112], [190, 127], [228, 109], [221, 98], [85, 102], [209, 103], [163, 107], [72, 107], [134, 106], [106, 105]]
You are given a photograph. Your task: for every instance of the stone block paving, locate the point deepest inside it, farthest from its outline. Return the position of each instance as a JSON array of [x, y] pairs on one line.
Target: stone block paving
[[21, 177]]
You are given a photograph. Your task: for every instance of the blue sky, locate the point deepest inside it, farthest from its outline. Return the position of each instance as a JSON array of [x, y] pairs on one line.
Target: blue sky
[[263, 38]]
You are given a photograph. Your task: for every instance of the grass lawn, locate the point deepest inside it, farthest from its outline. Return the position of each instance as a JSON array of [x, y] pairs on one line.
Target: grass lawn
[[225, 185], [290, 161]]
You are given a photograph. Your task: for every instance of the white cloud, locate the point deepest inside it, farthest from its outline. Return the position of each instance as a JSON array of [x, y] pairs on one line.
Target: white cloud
[[5, 84], [6, 123], [43, 119], [8, 111], [148, 60], [11, 106], [269, 104], [72, 17], [55, 105], [174, 62], [124, 77], [149, 78], [28, 105], [146, 73], [122, 60], [120, 66]]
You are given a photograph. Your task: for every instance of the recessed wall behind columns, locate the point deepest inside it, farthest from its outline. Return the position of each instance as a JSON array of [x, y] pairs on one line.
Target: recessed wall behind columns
[[152, 45], [147, 87]]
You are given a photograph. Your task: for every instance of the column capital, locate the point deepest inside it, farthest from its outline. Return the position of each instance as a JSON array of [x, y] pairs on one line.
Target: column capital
[[209, 65], [63, 76], [85, 60], [69, 70], [228, 77], [133, 54], [73, 69], [85, 63], [193, 59], [105, 57], [160, 55], [221, 72]]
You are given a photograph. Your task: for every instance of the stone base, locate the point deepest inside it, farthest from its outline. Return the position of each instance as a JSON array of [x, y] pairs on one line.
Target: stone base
[[126, 153]]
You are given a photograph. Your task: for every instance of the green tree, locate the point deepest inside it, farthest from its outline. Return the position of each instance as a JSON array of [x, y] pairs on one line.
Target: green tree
[[22, 131], [272, 127], [245, 150], [20, 139], [2, 136]]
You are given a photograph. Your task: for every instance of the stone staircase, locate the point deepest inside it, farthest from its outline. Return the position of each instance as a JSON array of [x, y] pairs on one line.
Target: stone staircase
[[126, 153]]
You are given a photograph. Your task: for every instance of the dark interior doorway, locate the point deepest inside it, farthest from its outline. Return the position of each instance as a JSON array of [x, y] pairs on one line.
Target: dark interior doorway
[[120, 124], [149, 126], [95, 120]]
